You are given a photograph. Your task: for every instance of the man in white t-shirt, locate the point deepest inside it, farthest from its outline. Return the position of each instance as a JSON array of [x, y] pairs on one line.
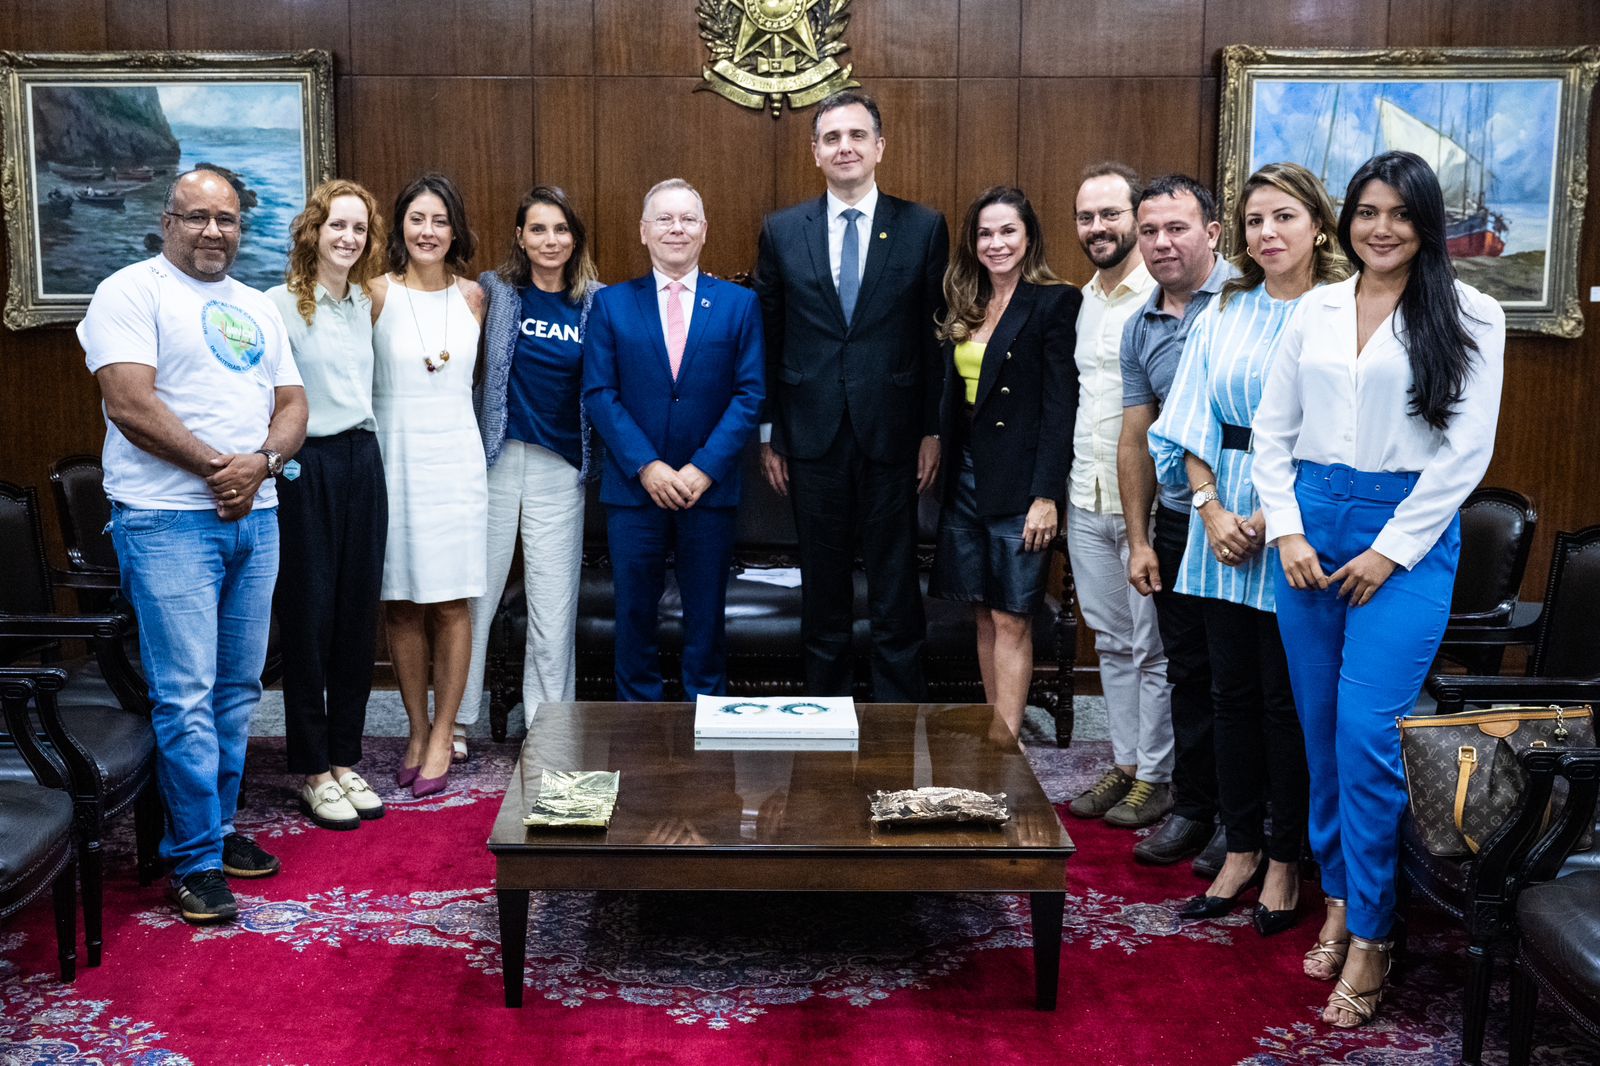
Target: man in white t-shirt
[[202, 405]]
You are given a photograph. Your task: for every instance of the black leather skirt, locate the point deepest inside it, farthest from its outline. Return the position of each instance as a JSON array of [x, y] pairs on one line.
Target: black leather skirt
[[981, 560]]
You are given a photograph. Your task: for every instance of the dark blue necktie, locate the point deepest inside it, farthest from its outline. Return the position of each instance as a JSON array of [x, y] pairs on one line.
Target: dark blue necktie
[[849, 263]]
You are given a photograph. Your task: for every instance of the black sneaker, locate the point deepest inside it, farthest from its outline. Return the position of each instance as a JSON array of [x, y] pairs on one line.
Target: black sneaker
[[243, 857], [204, 898]]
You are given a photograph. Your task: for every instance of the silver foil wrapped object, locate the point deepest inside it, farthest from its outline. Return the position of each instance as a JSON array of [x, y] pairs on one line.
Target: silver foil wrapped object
[[580, 798], [934, 804]]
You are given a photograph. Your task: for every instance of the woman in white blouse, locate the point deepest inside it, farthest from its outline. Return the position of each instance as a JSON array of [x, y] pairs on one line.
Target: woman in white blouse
[[1378, 419]]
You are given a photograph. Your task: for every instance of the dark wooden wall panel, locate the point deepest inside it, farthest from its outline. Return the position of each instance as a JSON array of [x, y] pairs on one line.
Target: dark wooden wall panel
[[596, 95]]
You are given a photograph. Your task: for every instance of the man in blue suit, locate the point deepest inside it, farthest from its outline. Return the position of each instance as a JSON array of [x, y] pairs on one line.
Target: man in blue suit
[[673, 381]]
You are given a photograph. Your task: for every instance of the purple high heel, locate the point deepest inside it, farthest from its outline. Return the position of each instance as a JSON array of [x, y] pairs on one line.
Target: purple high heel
[[407, 774], [428, 786]]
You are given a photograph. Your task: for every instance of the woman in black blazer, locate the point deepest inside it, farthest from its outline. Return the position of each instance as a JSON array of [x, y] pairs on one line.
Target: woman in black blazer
[[1010, 397]]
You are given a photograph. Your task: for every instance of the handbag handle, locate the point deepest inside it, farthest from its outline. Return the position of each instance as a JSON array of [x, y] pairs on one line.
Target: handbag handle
[[1466, 764]]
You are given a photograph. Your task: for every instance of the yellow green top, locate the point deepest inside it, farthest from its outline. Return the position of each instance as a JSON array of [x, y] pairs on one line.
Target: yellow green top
[[969, 363]]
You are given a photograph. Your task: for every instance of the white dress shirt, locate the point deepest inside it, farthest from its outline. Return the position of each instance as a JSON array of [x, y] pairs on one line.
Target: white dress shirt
[[1092, 485], [1325, 405], [867, 205], [685, 300]]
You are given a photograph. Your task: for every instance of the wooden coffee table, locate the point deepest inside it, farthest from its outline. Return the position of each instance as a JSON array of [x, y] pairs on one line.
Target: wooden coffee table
[[689, 820]]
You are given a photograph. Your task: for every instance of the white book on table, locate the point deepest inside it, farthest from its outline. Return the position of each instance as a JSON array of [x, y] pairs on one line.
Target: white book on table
[[775, 743], [768, 718]]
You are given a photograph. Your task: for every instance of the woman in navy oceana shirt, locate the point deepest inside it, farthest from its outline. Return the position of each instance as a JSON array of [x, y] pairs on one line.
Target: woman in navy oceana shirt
[[536, 442]]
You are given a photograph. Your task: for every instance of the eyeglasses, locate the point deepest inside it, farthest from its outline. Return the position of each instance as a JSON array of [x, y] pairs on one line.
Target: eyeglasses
[[1108, 215], [690, 223], [199, 220]]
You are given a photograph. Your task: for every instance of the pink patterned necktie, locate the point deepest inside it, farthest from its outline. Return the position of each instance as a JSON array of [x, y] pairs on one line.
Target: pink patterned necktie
[[677, 334]]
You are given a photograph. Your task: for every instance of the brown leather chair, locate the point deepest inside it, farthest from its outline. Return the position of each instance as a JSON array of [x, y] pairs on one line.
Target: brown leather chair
[[36, 844], [1558, 922]]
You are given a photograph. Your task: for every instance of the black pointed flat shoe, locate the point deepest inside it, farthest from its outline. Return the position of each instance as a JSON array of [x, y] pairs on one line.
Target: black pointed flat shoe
[[1201, 907], [1271, 923]]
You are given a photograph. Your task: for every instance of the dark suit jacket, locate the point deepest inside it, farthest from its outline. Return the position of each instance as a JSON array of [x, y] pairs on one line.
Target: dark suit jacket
[[1021, 434], [705, 417], [882, 369]]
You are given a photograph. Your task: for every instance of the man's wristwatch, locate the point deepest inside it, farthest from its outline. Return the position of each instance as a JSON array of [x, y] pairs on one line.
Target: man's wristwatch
[[1203, 495], [274, 461]]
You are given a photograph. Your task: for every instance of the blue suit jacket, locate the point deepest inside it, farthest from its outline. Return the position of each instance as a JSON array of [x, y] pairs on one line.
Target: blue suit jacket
[[705, 417]]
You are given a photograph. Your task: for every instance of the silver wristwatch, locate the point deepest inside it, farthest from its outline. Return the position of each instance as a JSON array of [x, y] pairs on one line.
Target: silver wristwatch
[[274, 461], [1203, 497]]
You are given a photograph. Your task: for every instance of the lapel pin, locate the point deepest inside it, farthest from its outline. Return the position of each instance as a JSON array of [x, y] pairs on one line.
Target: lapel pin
[[883, 235], [704, 302]]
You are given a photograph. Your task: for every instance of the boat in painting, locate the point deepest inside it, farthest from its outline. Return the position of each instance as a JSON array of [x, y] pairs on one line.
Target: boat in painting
[[76, 173], [1472, 229], [102, 197]]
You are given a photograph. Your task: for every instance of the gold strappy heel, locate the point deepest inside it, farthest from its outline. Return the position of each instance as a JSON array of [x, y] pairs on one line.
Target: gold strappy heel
[[1362, 1004], [1331, 953]]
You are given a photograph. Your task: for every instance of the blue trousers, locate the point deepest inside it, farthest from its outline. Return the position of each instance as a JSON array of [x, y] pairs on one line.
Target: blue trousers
[[202, 591], [700, 541], [1354, 670]]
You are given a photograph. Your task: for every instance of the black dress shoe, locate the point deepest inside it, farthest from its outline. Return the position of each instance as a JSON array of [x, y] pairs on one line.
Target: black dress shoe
[[1208, 864], [1176, 840], [1201, 907]]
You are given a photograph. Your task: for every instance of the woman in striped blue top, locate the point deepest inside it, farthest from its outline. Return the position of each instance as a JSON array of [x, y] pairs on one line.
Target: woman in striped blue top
[[1286, 228]]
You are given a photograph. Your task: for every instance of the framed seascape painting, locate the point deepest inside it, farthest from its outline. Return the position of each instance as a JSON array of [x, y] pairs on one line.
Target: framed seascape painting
[[93, 140], [1506, 130]]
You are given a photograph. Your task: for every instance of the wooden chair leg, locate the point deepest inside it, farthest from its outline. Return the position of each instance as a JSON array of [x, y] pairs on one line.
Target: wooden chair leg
[[1524, 998], [64, 894], [1475, 1001], [91, 871], [147, 829]]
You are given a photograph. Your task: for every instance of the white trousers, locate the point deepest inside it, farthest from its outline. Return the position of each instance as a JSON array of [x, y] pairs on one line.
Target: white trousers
[[536, 490], [1133, 662]]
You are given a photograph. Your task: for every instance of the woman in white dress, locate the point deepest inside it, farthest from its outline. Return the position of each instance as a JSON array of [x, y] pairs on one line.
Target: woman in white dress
[[426, 322]]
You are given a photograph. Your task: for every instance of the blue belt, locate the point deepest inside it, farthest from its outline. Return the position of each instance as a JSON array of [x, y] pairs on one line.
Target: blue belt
[[1343, 482]]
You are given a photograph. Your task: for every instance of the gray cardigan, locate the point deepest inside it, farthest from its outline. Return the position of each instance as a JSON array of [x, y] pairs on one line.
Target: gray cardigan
[[500, 344]]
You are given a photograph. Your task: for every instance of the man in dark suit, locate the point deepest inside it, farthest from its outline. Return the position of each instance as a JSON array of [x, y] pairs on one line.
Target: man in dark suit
[[850, 283], [672, 379]]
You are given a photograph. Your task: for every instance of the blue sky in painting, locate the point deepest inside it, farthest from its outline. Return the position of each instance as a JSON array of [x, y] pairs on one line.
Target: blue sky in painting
[[232, 104], [1512, 125]]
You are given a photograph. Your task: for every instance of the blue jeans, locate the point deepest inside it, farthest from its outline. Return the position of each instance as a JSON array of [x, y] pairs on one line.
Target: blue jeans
[[202, 591]]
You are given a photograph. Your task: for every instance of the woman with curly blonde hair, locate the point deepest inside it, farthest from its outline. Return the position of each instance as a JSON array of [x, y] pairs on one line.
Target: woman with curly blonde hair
[[333, 509]]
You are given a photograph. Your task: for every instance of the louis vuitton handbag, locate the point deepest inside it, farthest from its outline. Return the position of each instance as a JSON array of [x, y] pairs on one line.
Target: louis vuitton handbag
[[1463, 773]]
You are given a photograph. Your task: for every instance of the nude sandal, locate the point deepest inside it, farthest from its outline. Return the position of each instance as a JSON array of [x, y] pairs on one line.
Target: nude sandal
[[1362, 1004], [458, 745], [1330, 952]]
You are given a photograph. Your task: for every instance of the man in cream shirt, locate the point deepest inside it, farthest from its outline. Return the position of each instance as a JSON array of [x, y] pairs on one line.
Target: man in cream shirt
[[1133, 666]]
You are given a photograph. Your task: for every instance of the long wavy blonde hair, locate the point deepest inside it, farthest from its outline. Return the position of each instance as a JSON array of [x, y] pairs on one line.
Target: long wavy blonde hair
[[303, 237], [966, 283]]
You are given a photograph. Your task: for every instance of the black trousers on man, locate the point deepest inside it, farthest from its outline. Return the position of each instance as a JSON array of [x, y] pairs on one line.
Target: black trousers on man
[[333, 521], [1181, 620], [839, 496]]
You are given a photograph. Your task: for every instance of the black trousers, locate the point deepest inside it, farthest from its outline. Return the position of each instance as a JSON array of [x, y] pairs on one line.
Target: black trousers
[[1183, 634], [333, 521], [1261, 753], [840, 497]]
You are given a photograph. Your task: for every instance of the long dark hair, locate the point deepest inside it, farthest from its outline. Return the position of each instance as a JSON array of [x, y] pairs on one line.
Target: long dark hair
[[463, 242], [1436, 339], [966, 283], [578, 273]]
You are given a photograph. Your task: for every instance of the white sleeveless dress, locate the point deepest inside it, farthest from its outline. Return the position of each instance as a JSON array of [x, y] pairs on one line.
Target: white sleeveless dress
[[432, 451]]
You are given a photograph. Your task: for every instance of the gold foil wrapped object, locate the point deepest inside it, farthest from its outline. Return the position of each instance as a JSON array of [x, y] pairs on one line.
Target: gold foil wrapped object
[[934, 804], [575, 798]]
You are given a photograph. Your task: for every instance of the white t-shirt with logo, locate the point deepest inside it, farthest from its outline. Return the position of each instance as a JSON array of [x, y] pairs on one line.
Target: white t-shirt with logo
[[219, 349]]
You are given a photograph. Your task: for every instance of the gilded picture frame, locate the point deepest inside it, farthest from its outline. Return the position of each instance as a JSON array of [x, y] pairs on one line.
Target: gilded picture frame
[[92, 140], [1507, 130]]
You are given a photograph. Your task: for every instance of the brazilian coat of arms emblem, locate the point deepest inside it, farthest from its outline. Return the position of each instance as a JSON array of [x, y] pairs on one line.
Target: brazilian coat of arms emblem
[[767, 52]]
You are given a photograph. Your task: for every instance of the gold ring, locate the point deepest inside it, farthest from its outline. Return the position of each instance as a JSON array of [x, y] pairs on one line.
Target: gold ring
[[1227, 552], [232, 493]]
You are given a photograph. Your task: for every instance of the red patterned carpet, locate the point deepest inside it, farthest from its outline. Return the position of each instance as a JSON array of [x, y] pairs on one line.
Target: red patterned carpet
[[382, 946]]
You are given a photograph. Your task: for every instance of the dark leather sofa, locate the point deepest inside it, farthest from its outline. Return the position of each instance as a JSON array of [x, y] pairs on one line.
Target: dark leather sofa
[[764, 650]]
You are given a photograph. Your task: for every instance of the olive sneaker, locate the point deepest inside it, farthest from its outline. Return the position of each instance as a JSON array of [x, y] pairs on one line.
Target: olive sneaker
[[1145, 804], [1103, 795], [204, 898], [243, 857]]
